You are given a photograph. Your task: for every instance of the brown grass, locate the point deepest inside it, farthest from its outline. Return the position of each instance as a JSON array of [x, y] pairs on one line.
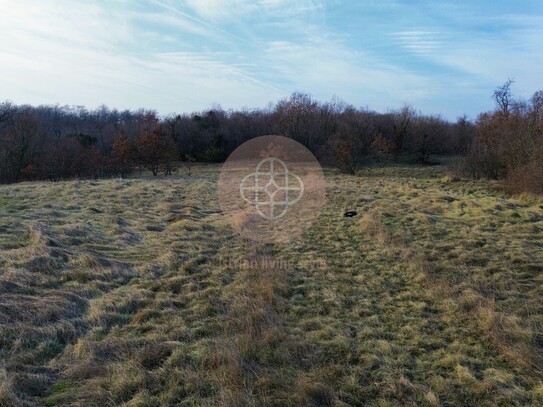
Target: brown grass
[[137, 293]]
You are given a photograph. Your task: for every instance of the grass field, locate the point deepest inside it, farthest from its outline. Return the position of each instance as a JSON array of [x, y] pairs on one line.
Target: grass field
[[137, 293]]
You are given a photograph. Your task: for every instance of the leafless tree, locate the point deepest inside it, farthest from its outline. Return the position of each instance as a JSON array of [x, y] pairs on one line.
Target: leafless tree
[[503, 97], [352, 141]]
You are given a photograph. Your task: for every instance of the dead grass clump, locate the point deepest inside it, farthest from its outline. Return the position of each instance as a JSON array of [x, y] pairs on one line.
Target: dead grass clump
[[7, 394], [450, 178], [371, 225], [315, 394]]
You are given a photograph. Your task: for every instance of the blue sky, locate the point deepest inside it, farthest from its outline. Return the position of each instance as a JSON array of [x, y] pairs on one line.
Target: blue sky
[[442, 57]]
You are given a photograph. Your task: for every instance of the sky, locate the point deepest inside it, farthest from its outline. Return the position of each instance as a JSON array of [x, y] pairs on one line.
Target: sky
[[441, 57]]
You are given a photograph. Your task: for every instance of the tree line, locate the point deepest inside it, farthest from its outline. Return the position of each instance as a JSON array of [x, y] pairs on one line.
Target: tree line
[[62, 142]]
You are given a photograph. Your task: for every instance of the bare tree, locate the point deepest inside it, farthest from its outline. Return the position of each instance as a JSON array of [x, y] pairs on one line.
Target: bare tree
[[403, 120], [537, 105], [296, 118], [7, 111], [425, 139], [20, 144], [503, 97], [158, 149], [121, 153], [352, 141]]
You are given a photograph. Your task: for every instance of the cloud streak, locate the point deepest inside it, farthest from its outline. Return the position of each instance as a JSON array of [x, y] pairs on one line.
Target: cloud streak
[[422, 43], [186, 55]]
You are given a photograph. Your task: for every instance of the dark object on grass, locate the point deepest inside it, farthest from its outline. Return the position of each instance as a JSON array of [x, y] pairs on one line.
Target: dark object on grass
[[349, 214]]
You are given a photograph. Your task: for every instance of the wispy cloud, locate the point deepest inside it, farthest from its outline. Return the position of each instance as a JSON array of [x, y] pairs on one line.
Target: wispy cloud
[[421, 43], [184, 55], [220, 9], [215, 28], [332, 69]]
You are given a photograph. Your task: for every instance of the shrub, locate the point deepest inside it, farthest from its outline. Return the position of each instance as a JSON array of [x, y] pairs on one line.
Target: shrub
[[525, 178]]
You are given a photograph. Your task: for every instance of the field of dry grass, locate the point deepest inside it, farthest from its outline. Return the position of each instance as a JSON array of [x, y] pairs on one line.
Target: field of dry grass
[[137, 293]]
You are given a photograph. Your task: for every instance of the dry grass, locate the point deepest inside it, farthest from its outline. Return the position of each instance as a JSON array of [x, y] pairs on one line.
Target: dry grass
[[136, 293]]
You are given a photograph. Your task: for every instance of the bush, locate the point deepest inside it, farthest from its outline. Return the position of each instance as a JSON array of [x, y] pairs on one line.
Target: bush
[[526, 178]]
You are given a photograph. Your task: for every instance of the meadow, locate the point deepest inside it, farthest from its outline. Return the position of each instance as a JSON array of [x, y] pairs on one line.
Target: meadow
[[136, 292]]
